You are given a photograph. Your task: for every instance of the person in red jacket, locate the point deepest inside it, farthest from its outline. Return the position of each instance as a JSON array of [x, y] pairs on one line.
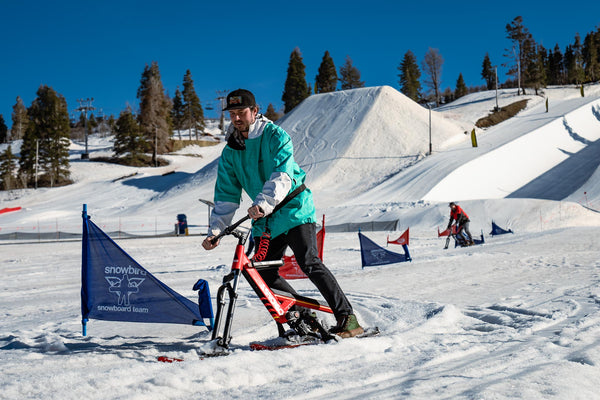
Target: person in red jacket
[[462, 221]]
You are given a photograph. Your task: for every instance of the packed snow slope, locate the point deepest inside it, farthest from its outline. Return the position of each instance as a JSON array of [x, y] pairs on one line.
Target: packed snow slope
[[389, 132], [515, 318], [365, 144]]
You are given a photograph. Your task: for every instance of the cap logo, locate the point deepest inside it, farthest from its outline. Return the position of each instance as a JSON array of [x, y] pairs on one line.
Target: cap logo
[[233, 100]]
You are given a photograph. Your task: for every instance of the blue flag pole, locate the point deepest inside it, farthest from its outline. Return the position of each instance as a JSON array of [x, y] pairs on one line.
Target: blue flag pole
[[84, 256]]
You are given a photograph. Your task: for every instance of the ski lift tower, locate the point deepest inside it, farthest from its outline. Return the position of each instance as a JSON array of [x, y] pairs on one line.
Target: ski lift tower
[[221, 96], [84, 107]]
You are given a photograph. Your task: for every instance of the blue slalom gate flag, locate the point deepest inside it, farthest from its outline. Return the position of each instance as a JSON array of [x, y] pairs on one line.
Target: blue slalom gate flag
[[496, 230], [372, 254], [114, 287]]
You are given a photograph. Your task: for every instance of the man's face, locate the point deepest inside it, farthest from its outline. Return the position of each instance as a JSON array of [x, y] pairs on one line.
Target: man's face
[[243, 118]]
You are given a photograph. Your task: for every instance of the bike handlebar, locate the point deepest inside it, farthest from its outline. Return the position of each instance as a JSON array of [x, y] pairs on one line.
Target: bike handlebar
[[229, 230]]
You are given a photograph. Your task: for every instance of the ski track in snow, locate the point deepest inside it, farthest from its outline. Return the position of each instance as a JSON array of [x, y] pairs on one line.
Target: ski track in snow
[[516, 317], [461, 349]]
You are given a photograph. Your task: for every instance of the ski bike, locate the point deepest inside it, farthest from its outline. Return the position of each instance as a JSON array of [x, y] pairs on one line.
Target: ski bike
[[460, 238], [278, 303]]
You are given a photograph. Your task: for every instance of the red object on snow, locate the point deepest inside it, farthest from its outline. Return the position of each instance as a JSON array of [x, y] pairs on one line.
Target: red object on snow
[[447, 231], [403, 239], [166, 359], [5, 210]]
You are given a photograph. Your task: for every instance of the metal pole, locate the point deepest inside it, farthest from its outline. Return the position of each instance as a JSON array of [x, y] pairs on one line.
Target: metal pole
[[496, 69], [518, 69], [85, 155], [209, 204], [430, 149], [37, 154]]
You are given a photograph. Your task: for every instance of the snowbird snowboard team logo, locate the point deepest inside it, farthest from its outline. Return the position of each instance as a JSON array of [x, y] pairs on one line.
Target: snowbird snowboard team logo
[[124, 286], [379, 255]]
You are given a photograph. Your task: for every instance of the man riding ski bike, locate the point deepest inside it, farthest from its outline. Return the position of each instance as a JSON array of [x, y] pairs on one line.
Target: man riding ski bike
[[259, 160], [462, 222]]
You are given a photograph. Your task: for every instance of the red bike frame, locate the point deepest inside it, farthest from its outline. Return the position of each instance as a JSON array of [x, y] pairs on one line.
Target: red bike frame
[[278, 303]]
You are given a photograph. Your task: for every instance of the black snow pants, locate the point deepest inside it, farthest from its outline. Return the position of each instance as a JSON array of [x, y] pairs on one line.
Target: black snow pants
[[302, 240]]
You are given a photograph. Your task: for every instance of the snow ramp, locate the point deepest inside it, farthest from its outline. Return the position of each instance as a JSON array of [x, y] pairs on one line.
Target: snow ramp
[[350, 141], [550, 162]]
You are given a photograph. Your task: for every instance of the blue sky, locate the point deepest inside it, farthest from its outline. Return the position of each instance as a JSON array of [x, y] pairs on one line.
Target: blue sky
[[98, 50]]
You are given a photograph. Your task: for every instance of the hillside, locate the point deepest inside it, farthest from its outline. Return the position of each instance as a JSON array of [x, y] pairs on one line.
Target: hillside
[[364, 152]]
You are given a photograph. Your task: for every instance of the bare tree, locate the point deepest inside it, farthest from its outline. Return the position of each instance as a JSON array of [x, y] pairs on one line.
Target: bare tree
[[432, 66]]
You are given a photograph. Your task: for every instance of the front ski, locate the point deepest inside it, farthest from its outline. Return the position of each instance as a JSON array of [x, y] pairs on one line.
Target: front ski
[[210, 350], [257, 346], [279, 343], [283, 343]]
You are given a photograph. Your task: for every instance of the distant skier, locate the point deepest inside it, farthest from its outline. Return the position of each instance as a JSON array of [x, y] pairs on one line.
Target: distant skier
[[462, 221]]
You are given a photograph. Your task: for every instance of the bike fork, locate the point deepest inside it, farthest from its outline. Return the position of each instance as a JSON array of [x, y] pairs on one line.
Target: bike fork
[[230, 285]]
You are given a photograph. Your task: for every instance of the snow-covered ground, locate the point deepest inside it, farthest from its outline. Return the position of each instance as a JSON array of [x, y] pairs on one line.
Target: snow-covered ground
[[517, 317]]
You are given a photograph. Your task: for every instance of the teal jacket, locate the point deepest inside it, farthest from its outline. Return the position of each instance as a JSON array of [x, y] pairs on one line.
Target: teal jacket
[[267, 172]]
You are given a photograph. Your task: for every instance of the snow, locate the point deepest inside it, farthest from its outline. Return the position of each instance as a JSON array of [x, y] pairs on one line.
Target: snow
[[517, 317]]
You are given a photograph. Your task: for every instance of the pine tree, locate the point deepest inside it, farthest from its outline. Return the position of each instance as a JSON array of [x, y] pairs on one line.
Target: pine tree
[[154, 116], [326, 80], [19, 120], [432, 65], [410, 76], [296, 88], [28, 155], [350, 76], [575, 71], [556, 69], [92, 123], [536, 70], [49, 127], [177, 112], [129, 139], [3, 130], [111, 122], [193, 114], [529, 66], [461, 87], [487, 73], [81, 123], [448, 96], [521, 38], [570, 64], [271, 113], [591, 59], [8, 165]]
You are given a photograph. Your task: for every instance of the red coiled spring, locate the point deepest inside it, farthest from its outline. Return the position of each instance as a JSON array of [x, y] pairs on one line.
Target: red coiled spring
[[263, 247]]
